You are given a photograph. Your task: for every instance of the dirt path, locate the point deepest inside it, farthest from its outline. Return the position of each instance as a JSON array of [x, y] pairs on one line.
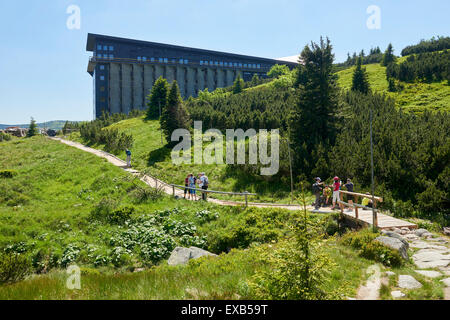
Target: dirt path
[[156, 183]]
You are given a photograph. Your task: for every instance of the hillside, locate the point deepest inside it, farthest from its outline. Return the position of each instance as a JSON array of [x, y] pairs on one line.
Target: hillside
[[153, 157], [415, 97], [50, 213]]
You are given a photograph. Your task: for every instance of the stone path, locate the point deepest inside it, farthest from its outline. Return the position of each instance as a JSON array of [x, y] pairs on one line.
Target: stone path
[[432, 259]]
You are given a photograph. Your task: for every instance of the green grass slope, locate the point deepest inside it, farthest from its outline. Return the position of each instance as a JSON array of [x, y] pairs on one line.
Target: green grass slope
[[148, 154], [415, 97]]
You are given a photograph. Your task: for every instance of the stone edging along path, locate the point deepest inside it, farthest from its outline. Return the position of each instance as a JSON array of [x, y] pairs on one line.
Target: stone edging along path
[[165, 187]]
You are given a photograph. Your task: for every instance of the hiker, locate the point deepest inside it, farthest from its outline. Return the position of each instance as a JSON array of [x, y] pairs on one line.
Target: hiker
[[203, 184], [349, 186], [317, 188], [192, 181], [327, 194], [128, 153], [186, 184], [336, 187]]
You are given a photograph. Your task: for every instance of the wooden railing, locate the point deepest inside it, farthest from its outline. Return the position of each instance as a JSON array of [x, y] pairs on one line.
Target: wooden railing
[[355, 204], [246, 194]]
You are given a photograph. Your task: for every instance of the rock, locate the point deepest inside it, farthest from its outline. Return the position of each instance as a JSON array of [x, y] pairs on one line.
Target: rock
[[429, 273], [408, 282], [427, 245], [420, 232], [427, 235], [181, 256], [446, 231], [396, 244], [390, 273], [430, 258], [446, 281], [411, 237], [397, 236], [397, 294], [446, 271], [139, 269], [397, 230]]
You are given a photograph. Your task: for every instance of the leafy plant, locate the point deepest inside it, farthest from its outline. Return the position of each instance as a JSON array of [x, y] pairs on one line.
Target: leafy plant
[[13, 267]]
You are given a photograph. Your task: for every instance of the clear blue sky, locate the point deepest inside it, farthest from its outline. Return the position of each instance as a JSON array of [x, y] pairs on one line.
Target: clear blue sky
[[43, 63]]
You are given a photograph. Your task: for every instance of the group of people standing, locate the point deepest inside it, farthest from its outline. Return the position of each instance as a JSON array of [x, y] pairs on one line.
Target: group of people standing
[[190, 183], [324, 192]]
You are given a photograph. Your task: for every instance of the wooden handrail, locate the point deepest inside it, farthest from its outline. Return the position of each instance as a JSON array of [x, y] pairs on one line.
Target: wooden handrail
[[212, 191], [364, 195]]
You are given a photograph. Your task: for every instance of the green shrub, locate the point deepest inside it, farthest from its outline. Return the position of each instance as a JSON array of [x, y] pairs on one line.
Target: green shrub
[[145, 194], [359, 239], [4, 137], [89, 271], [251, 225], [298, 269], [379, 252], [121, 215], [13, 267], [8, 174]]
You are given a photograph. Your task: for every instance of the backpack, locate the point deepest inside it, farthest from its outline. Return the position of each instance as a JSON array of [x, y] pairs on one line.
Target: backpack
[[206, 182], [316, 188], [128, 152]]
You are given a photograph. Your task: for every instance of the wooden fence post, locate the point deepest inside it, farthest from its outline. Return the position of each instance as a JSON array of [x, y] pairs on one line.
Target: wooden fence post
[[246, 200], [173, 190]]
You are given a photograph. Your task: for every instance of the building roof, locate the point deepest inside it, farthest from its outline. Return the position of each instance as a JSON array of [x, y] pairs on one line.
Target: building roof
[[91, 41]]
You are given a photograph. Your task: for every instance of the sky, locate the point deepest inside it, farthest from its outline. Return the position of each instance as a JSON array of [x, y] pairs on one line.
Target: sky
[[43, 62]]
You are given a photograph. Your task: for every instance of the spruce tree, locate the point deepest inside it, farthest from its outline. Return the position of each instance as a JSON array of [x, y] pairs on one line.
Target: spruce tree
[[174, 115], [360, 82], [388, 56], [255, 80], [157, 99], [238, 85], [32, 130], [313, 119]]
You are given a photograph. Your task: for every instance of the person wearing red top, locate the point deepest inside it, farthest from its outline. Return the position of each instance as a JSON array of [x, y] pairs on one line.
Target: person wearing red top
[[336, 187]]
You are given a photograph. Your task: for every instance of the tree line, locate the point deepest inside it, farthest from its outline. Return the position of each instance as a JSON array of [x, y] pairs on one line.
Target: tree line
[[426, 67], [434, 44]]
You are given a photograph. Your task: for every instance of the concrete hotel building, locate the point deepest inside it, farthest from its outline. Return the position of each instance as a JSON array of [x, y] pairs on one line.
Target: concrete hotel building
[[124, 70]]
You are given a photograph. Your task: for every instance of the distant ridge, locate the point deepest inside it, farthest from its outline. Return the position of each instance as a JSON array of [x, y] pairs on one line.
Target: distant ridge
[[55, 125]]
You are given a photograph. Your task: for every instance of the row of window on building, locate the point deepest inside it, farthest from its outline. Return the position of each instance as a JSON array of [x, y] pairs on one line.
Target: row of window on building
[[104, 48], [230, 64], [104, 56]]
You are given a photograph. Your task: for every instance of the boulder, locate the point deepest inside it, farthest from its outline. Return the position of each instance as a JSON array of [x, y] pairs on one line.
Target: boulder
[[181, 256], [390, 273], [446, 231], [420, 232], [397, 294], [408, 282], [395, 244], [429, 273], [397, 236]]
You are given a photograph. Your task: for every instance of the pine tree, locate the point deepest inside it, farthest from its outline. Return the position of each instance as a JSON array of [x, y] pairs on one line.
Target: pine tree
[[360, 82], [174, 115], [32, 130], [157, 99], [388, 56], [255, 80], [313, 120], [238, 85]]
